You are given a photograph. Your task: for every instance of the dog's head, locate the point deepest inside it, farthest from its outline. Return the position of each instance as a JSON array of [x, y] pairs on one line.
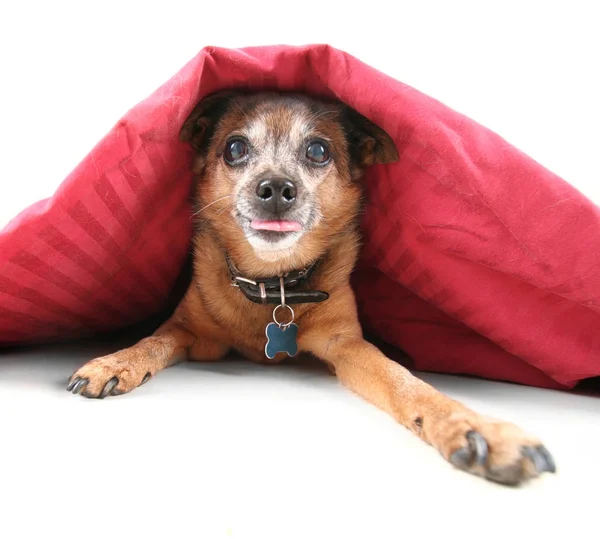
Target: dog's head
[[279, 172]]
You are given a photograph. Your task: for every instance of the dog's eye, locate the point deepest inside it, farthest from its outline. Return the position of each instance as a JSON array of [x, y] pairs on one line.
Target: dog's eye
[[317, 152], [235, 149]]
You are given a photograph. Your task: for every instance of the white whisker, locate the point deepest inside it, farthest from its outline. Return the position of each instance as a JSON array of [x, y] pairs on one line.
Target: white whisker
[[222, 211], [209, 205]]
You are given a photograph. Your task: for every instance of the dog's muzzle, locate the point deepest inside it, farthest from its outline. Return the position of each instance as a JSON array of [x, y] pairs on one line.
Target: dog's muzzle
[[276, 195]]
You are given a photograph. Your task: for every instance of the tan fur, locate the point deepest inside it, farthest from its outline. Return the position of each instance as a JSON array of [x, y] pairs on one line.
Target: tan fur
[[215, 317]]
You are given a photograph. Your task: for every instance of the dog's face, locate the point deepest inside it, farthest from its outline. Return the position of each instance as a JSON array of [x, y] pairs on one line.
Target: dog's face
[[280, 171]]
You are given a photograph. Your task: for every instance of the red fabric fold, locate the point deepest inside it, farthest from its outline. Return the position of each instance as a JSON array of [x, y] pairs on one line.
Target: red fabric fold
[[477, 259]]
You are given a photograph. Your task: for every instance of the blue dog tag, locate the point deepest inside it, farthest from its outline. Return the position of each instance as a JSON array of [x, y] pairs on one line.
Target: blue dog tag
[[281, 339]]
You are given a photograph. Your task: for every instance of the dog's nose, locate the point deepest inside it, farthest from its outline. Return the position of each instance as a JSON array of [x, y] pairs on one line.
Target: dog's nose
[[276, 195]]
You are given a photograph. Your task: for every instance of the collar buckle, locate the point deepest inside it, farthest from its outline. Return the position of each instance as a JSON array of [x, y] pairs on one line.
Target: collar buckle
[[268, 290]]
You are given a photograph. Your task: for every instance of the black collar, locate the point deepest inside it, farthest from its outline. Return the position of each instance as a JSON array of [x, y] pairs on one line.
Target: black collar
[[268, 290]]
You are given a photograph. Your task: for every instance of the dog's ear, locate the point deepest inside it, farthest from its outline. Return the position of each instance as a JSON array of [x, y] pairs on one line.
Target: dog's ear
[[369, 144], [200, 124]]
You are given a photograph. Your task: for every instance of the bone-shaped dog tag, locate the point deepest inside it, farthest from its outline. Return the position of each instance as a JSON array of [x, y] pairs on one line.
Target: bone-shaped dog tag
[[281, 339]]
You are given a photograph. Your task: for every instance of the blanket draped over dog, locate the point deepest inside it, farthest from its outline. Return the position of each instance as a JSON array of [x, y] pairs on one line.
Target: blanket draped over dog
[[476, 259]]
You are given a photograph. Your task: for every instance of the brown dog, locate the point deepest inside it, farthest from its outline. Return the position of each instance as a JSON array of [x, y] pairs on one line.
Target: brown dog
[[278, 194]]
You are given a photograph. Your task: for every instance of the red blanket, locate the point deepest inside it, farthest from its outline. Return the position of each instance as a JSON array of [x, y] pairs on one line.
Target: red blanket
[[477, 260]]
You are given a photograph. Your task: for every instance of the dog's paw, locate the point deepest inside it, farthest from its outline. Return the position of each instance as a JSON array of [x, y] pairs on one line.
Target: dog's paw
[[496, 450], [114, 374]]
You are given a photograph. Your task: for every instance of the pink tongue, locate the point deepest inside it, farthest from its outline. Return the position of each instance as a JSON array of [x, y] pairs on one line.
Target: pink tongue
[[276, 226]]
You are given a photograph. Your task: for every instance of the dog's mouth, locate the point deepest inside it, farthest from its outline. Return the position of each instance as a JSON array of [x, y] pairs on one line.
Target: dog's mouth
[[274, 227], [275, 234], [280, 226]]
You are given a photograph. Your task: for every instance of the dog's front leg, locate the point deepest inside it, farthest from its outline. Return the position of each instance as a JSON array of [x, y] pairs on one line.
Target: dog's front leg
[[483, 446], [125, 370]]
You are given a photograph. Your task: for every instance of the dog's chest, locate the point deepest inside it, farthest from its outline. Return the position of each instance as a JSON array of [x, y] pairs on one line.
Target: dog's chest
[[256, 333], [245, 326]]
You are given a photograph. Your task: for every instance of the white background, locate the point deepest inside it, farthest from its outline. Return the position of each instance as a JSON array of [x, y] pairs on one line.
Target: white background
[[207, 452]]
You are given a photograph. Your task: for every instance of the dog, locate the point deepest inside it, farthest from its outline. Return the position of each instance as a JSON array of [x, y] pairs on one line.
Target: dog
[[278, 194]]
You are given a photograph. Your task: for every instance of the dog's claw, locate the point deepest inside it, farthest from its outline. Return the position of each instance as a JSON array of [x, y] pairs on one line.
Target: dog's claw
[[147, 377], [474, 457], [541, 458], [72, 383], [108, 387], [478, 446], [548, 458], [475, 454], [79, 385], [461, 458]]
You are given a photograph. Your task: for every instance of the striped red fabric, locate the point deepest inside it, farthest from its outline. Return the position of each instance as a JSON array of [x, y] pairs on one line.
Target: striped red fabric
[[477, 260]]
